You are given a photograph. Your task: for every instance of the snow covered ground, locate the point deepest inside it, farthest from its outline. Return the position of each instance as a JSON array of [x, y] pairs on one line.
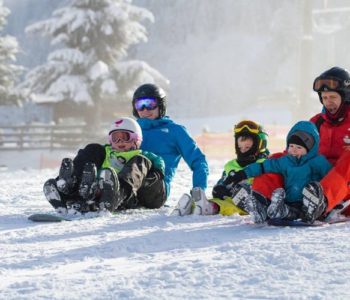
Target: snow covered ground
[[151, 255]]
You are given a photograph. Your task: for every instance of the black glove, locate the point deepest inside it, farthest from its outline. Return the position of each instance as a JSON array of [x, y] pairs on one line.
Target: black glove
[[221, 191], [235, 178]]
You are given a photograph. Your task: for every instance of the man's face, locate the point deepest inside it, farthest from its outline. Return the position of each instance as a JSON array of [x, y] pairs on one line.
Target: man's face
[[331, 101]]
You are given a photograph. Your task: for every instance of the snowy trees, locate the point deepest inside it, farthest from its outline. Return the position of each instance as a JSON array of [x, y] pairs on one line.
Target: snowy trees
[[89, 62], [8, 71]]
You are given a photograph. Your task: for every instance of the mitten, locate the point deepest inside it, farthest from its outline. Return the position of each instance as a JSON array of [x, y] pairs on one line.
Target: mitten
[[235, 178]]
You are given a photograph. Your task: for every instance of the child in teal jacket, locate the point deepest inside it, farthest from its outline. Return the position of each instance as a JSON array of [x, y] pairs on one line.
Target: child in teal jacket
[[300, 166]]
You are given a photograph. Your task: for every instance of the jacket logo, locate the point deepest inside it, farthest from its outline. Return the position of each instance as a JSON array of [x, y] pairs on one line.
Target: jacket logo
[[346, 139]]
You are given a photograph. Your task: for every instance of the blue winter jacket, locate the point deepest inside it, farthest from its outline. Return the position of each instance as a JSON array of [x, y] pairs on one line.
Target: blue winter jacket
[[172, 142], [296, 172]]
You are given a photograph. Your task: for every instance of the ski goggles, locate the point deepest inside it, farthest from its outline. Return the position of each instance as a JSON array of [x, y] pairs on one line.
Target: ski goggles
[[123, 136], [146, 103], [329, 83], [247, 125]]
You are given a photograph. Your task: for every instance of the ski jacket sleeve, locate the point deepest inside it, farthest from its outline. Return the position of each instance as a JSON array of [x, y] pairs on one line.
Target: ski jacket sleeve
[[193, 156], [157, 161], [271, 165], [320, 167]]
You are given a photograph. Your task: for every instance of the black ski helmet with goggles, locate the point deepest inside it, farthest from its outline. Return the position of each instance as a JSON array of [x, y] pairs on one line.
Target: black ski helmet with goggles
[[248, 128], [335, 79], [152, 91]]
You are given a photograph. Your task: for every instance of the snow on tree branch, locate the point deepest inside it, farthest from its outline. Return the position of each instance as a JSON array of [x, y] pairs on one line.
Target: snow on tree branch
[[89, 62]]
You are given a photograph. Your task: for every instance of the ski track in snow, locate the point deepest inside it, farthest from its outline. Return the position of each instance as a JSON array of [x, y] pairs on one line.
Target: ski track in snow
[[145, 254]]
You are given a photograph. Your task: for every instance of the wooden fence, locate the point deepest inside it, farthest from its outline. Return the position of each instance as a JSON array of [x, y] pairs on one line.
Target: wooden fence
[[34, 137], [70, 137]]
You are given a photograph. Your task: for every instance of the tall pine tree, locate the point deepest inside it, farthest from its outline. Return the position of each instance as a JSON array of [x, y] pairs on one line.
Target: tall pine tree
[[9, 72], [89, 62]]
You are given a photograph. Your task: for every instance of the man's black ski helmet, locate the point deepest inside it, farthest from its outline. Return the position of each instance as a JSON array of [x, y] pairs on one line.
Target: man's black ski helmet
[[335, 79], [150, 90]]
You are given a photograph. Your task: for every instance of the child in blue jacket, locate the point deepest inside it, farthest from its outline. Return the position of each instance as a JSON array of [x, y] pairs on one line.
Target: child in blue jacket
[[300, 166]]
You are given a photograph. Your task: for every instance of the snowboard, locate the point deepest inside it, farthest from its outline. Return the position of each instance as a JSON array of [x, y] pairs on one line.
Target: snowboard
[[334, 216], [54, 217], [47, 217], [299, 223]]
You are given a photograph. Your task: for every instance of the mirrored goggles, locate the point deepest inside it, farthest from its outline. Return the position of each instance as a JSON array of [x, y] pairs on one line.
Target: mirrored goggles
[[329, 83], [146, 103], [248, 126], [123, 136]]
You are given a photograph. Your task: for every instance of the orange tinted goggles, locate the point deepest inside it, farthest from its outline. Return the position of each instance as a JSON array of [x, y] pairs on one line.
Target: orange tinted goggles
[[329, 83], [248, 126]]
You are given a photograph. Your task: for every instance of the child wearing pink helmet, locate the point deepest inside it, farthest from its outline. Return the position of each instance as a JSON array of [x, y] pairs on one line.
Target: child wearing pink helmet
[[110, 177]]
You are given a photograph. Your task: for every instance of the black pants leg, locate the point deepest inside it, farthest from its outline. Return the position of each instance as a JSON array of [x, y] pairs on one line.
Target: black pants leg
[[140, 185], [153, 193]]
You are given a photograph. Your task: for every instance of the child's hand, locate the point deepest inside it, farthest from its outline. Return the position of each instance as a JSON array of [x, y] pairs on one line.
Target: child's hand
[[221, 191], [235, 178]]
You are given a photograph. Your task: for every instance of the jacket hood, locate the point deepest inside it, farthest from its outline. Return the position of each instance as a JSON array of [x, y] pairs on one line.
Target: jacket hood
[[310, 128]]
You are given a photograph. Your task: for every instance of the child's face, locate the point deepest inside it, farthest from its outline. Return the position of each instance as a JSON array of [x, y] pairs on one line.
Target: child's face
[[245, 143], [120, 141], [123, 146], [296, 150]]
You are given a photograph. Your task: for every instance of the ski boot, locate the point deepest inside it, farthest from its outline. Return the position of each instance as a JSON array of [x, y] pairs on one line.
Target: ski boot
[[277, 207], [109, 188], [201, 204], [314, 202], [184, 206], [256, 205], [66, 180], [240, 193], [337, 212], [88, 184], [53, 196]]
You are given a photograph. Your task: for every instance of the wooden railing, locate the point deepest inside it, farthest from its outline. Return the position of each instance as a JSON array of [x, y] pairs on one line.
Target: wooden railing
[[51, 137]]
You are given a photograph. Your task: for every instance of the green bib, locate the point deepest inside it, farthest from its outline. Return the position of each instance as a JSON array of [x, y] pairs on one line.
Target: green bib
[[116, 160]]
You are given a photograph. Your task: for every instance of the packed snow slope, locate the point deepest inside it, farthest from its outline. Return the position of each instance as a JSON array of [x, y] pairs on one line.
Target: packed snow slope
[[145, 254]]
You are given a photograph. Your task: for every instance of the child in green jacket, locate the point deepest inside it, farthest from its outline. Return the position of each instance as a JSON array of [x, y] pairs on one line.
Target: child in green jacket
[[250, 146], [109, 177]]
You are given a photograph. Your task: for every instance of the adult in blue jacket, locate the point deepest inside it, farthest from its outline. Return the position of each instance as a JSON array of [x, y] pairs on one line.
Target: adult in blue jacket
[[301, 165], [164, 137]]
